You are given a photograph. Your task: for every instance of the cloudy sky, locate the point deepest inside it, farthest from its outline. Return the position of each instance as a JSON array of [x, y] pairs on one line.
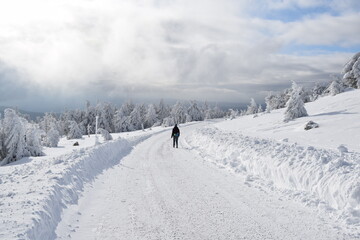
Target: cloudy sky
[[56, 54]]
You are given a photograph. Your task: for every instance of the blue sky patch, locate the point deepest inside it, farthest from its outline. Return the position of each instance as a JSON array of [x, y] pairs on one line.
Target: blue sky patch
[[312, 50]]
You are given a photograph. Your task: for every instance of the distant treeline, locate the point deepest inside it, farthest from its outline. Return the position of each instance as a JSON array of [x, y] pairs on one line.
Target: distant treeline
[[21, 137]]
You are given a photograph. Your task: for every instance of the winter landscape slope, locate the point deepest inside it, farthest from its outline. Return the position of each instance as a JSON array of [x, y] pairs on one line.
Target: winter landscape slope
[[283, 158], [320, 167]]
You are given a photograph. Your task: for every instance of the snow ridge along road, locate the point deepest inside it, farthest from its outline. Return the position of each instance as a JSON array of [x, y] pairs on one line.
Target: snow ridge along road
[[157, 192], [34, 191]]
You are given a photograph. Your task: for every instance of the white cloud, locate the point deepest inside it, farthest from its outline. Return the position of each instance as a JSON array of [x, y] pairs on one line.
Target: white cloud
[[163, 48], [325, 30]]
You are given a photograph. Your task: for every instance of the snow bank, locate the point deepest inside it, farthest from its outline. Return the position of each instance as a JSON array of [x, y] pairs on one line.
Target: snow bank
[[34, 191], [330, 177]]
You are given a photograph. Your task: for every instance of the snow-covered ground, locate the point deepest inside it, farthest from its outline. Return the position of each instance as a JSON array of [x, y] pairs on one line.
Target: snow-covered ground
[[34, 191], [310, 166], [247, 178], [158, 192]]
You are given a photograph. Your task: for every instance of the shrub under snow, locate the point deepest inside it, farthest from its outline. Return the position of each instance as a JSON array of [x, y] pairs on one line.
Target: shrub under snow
[[105, 134]]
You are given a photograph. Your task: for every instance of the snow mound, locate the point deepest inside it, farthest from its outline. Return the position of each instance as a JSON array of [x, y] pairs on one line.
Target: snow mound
[[332, 178], [35, 191]]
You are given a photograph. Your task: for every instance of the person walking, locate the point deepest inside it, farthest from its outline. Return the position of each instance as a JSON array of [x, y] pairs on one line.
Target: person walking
[[175, 136]]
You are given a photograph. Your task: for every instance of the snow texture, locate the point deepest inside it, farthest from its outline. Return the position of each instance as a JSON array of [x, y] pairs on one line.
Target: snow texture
[[329, 176], [34, 191]]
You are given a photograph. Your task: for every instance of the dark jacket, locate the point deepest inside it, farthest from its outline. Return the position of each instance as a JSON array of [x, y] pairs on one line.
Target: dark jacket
[[175, 131]]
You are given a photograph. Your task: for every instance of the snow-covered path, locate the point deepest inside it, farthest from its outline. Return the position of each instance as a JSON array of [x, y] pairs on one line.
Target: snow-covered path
[[158, 192]]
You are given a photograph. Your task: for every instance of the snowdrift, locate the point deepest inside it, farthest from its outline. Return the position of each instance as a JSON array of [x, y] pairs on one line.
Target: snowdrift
[[331, 177], [34, 191], [307, 165]]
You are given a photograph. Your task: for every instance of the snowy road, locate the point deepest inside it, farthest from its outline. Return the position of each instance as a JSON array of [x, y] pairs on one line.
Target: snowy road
[[158, 192]]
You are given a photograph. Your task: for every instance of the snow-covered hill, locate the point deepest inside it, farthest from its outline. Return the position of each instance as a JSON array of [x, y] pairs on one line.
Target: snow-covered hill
[[307, 165]]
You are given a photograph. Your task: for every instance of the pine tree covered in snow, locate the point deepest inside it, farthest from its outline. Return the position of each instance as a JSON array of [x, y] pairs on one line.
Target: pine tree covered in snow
[[74, 131], [143, 112], [351, 72], [277, 101], [105, 111], [318, 90], [89, 120], [208, 112], [121, 119], [252, 108], [162, 110], [295, 106], [335, 88], [268, 103], [137, 118], [233, 114]]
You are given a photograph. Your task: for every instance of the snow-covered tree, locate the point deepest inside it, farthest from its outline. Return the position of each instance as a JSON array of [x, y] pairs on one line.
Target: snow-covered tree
[[3, 151], [105, 111], [52, 137], [233, 113], [351, 72], [276, 101], [151, 117], [122, 117], [162, 110], [252, 108], [194, 112], [295, 106], [33, 140], [14, 131], [89, 120], [178, 113], [268, 102], [46, 121], [217, 112], [318, 90], [74, 131], [143, 112], [136, 119], [105, 134], [335, 88], [168, 121]]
